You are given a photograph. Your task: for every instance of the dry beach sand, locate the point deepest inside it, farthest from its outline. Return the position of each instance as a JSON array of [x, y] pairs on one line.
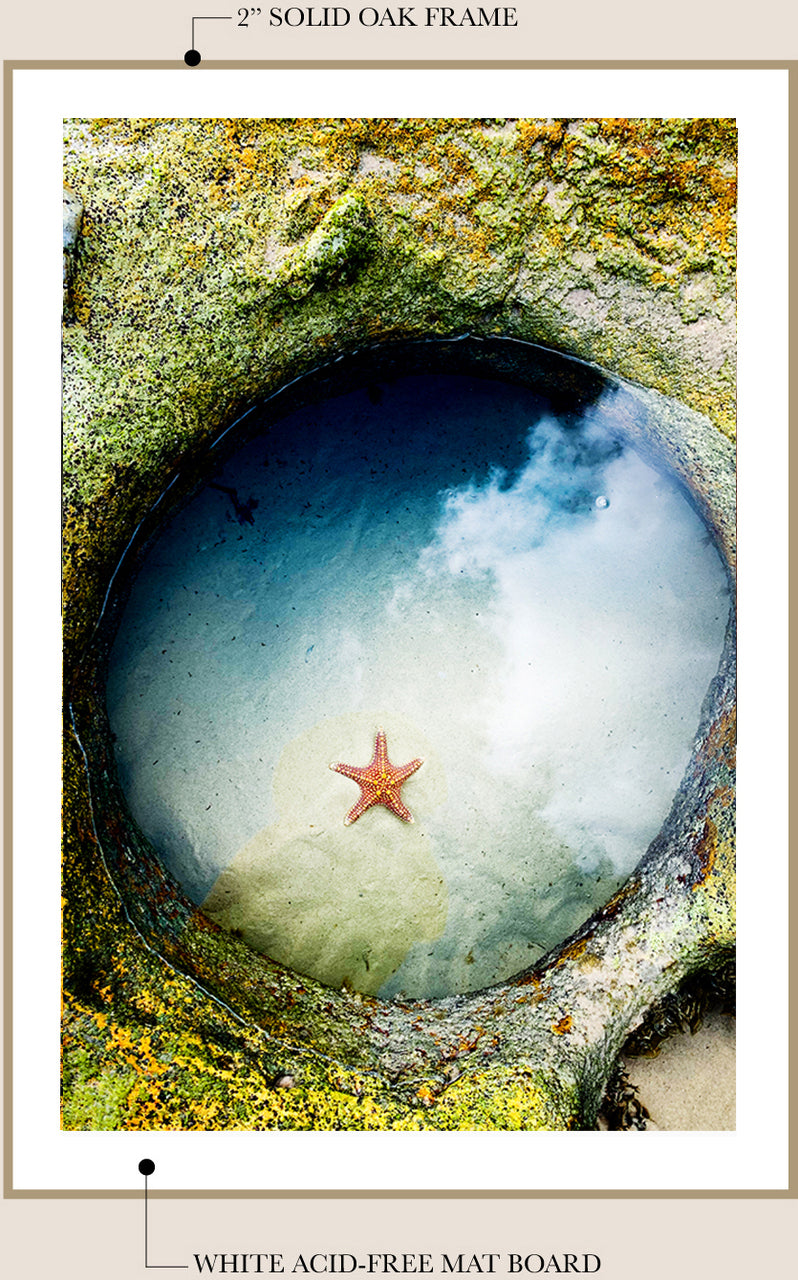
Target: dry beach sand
[[691, 1084]]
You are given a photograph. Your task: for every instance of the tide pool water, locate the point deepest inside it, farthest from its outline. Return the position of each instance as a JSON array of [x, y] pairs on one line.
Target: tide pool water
[[518, 600]]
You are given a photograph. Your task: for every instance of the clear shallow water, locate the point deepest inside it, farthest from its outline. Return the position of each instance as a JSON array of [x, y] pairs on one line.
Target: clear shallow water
[[527, 606]]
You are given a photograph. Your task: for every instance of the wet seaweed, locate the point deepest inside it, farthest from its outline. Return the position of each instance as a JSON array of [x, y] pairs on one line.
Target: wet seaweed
[[621, 1108], [684, 1010]]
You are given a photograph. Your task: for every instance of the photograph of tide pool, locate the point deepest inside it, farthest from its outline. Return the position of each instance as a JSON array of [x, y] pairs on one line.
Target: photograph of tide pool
[[399, 620], [432, 568]]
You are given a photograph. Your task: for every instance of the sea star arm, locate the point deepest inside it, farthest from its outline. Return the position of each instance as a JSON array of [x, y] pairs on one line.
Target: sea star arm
[[368, 797], [403, 771], [356, 772]]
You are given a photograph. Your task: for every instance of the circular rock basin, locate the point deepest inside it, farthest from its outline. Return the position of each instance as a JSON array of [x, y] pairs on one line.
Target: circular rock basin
[[507, 580]]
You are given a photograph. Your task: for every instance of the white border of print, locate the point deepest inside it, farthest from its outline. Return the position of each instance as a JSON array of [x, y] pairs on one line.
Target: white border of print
[[755, 1155]]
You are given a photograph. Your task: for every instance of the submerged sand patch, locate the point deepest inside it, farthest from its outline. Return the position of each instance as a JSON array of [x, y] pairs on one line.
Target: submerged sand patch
[[343, 904]]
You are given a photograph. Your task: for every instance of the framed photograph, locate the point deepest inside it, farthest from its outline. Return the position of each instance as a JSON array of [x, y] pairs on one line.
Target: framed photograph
[[407, 424]]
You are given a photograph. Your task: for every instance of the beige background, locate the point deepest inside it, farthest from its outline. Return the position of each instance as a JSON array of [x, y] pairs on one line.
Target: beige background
[[636, 1240], [652, 1238], [620, 29]]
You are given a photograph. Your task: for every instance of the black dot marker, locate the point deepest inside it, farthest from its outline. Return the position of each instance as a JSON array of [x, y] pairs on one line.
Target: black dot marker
[[146, 1167], [192, 58]]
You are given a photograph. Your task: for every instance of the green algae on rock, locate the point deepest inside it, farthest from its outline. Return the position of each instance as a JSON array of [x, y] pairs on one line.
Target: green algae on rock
[[218, 261]]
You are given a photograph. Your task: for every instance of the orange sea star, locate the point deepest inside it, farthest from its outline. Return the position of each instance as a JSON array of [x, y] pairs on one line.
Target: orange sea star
[[380, 782]]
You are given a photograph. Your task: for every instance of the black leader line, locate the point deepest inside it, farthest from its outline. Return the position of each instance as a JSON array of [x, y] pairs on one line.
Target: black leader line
[[225, 17], [147, 1167], [192, 58]]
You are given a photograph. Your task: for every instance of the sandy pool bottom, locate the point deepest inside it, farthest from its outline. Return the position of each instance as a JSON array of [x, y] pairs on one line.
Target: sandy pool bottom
[[515, 598]]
